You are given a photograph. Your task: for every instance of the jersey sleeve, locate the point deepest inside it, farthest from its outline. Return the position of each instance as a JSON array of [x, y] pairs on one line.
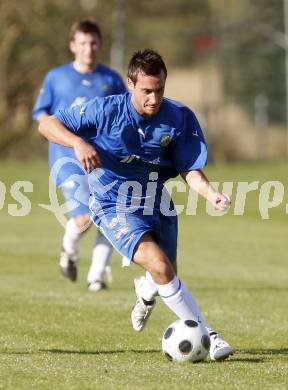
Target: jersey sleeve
[[189, 149], [45, 98], [79, 119]]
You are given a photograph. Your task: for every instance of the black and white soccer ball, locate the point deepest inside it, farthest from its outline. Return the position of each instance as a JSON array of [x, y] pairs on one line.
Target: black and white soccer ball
[[185, 340]]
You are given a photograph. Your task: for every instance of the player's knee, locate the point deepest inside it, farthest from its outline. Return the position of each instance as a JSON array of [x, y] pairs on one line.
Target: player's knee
[[83, 222], [162, 270]]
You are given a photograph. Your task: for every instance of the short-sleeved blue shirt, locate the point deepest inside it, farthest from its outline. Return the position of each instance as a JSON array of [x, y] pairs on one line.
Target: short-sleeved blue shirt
[[131, 146]]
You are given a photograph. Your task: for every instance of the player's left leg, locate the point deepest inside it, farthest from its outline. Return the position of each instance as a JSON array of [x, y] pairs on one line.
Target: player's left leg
[[149, 255], [220, 349], [173, 292]]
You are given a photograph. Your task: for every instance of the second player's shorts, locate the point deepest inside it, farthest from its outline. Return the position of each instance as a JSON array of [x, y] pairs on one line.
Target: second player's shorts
[[76, 193], [72, 179]]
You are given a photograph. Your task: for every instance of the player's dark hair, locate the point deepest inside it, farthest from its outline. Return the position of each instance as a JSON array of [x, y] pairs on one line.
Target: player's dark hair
[[146, 61], [87, 26]]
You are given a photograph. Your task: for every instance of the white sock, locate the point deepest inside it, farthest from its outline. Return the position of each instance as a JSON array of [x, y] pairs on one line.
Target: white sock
[[71, 237], [211, 331], [180, 300], [149, 288], [190, 300], [100, 258]]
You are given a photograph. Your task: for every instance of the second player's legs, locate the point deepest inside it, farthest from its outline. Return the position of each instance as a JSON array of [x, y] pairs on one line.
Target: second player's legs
[[101, 256], [76, 226], [74, 229]]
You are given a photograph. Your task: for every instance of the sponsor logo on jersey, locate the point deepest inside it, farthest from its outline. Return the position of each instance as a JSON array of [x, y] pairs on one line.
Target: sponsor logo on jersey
[[129, 159], [165, 140], [132, 157]]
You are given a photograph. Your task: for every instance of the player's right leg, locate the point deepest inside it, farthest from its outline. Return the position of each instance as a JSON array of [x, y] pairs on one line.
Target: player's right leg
[[145, 287]]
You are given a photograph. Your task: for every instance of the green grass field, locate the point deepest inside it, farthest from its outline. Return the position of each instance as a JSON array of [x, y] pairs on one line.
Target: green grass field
[[57, 335]]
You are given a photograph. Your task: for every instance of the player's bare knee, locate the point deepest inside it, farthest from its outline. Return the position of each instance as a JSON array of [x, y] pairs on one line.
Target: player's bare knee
[[151, 257], [162, 271]]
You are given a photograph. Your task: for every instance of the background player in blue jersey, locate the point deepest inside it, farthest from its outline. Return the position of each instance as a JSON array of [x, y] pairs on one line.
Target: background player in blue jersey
[[138, 140], [72, 85]]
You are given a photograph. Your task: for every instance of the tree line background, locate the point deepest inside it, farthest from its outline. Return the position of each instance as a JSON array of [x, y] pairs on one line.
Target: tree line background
[[223, 60]]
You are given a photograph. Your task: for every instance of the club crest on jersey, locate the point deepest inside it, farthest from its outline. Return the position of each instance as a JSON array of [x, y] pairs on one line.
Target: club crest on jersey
[[105, 87], [165, 140]]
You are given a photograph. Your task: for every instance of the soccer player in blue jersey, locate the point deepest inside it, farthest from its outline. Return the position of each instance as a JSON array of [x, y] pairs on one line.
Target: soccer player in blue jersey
[[72, 85], [131, 144]]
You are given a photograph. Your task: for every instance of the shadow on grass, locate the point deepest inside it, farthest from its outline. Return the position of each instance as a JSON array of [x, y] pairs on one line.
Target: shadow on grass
[[234, 359], [102, 352], [263, 353], [77, 352], [259, 351]]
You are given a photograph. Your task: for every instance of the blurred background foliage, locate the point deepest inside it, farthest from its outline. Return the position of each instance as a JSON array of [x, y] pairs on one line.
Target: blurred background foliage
[[224, 60]]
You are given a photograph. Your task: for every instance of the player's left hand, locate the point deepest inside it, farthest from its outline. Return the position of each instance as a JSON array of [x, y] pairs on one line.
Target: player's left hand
[[220, 201]]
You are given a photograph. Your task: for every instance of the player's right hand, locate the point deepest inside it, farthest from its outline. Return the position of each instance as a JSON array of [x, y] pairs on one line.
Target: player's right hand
[[87, 155]]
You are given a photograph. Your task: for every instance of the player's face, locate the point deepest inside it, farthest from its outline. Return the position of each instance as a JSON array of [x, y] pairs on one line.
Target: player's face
[[147, 93], [85, 48]]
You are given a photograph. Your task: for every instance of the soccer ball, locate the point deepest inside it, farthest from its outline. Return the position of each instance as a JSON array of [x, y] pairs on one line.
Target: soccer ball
[[185, 340]]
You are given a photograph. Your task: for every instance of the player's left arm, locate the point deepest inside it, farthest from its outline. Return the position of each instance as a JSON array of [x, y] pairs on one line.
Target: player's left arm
[[197, 180], [190, 157]]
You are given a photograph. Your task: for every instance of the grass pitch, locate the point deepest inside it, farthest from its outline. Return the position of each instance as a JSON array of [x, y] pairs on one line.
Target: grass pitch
[[57, 335]]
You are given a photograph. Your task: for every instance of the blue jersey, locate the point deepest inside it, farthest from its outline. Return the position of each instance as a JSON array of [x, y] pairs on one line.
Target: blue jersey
[[135, 149], [65, 87]]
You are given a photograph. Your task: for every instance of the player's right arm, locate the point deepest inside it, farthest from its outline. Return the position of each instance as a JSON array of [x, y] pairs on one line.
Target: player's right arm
[[54, 130]]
